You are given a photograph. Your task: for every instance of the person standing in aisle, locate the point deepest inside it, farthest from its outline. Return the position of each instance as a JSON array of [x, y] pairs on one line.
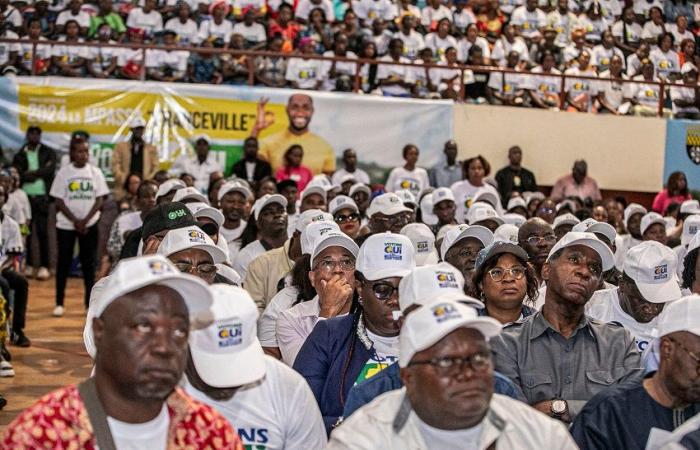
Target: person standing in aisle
[[36, 164], [79, 190]]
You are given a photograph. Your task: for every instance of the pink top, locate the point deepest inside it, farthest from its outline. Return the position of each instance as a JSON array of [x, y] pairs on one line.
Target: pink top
[[301, 175], [662, 200]]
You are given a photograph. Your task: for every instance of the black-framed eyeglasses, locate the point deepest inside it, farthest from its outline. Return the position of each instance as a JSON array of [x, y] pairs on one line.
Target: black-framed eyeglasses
[[342, 218], [478, 362], [383, 290], [536, 240], [329, 265], [691, 354], [498, 274], [205, 270]]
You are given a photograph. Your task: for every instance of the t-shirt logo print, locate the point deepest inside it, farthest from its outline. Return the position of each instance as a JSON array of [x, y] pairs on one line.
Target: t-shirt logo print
[[80, 188], [445, 311], [230, 334], [661, 272], [393, 251]]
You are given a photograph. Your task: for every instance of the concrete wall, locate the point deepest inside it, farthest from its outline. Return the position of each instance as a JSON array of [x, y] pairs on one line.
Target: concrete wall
[[623, 153]]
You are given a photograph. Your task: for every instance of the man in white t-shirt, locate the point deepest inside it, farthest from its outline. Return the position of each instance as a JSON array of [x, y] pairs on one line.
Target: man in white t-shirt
[[201, 166], [684, 99], [350, 168], [369, 10], [529, 18], [146, 18], [304, 7], [8, 52], [270, 404], [233, 201], [395, 81], [168, 63], [648, 282], [74, 12], [253, 33], [140, 326], [437, 344], [183, 25], [304, 73]]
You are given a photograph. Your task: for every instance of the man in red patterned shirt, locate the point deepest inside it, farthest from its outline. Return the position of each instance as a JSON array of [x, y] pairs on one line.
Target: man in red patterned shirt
[[132, 402]]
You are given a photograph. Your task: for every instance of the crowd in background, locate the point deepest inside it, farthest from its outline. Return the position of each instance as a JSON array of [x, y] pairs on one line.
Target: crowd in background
[[293, 304], [608, 40]]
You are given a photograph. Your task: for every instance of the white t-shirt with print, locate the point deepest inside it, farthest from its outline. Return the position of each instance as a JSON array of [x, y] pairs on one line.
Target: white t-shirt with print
[[430, 15], [152, 435], [681, 92], [210, 29], [79, 188], [412, 44], [369, 10], [101, 57], [605, 306], [175, 60], [187, 33], [341, 68], [6, 49], [306, 72], [529, 22], [254, 33], [68, 53], [11, 238], [645, 94], [43, 51], [83, 18], [412, 180], [544, 84], [277, 412], [634, 31], [439, 45], [384, 353], [390, 71], [464, 193], [152, 22]]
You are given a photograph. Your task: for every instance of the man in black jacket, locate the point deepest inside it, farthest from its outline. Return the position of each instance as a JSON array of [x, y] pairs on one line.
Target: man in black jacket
[[514, 177], [251, 168], [36, 164]]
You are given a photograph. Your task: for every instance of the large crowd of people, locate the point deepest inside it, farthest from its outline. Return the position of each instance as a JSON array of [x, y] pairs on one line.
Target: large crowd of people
[[611, 41], [442, 308]]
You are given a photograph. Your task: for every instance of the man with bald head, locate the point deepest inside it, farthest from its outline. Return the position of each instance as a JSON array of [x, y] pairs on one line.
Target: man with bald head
[[537, 238], [318, 153], [514, 177], [140, 328]]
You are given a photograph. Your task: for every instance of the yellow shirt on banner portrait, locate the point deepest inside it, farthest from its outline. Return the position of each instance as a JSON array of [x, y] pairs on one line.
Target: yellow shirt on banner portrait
[[318, 153]]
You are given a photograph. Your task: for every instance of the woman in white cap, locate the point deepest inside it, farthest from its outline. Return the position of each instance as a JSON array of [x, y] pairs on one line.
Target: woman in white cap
[[348, 349], [505, 282], [346, 214]]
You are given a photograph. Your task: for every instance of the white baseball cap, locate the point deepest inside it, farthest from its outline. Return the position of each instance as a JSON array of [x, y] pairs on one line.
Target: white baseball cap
[[342, 202], [169, 185], [190, 193], [595, 227], [652, 266], [441, 194], [483, 195], [483, 234], [385, 255], [312, 232], [190, 237], [135, 273], [506, 233], [694, 243], [265, 200], [632, 209], [229, 273], [200, 209], [681, 315], [425, 283], [426, 326], [315, 189], [322, 181], [388, 204], [426, 210], [691, 225], [589, 240], [423, 241], [516, 202], [227, 353], [333, 239], [234, 186], [137, 122], [650, 219], [359, 187], [406, 197], [690, 207], [513, 219], [310, 216], [479, 212], [442, 232], [530, 196], [565, 219]]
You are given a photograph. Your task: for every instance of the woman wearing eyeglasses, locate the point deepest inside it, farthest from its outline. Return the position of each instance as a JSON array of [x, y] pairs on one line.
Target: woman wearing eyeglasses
[[505, 282], [346, 350], [346, 214]]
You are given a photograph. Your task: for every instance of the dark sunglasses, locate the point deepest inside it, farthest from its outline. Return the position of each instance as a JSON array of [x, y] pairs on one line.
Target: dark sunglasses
[[341, 218]]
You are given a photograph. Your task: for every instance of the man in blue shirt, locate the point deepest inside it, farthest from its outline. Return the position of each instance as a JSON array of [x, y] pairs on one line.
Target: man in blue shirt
[[623, 416]]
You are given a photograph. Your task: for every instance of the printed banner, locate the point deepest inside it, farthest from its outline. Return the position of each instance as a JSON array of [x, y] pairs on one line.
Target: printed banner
[[324, 123], [683, 151]]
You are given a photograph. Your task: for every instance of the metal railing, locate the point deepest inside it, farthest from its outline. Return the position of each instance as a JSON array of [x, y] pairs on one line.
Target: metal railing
[[359, 63]]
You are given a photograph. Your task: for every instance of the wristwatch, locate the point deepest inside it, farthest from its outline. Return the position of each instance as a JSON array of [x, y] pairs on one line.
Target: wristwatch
[[558, 408]]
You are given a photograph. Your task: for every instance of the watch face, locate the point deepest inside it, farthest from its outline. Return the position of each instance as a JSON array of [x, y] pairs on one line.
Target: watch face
[[558, 406]]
